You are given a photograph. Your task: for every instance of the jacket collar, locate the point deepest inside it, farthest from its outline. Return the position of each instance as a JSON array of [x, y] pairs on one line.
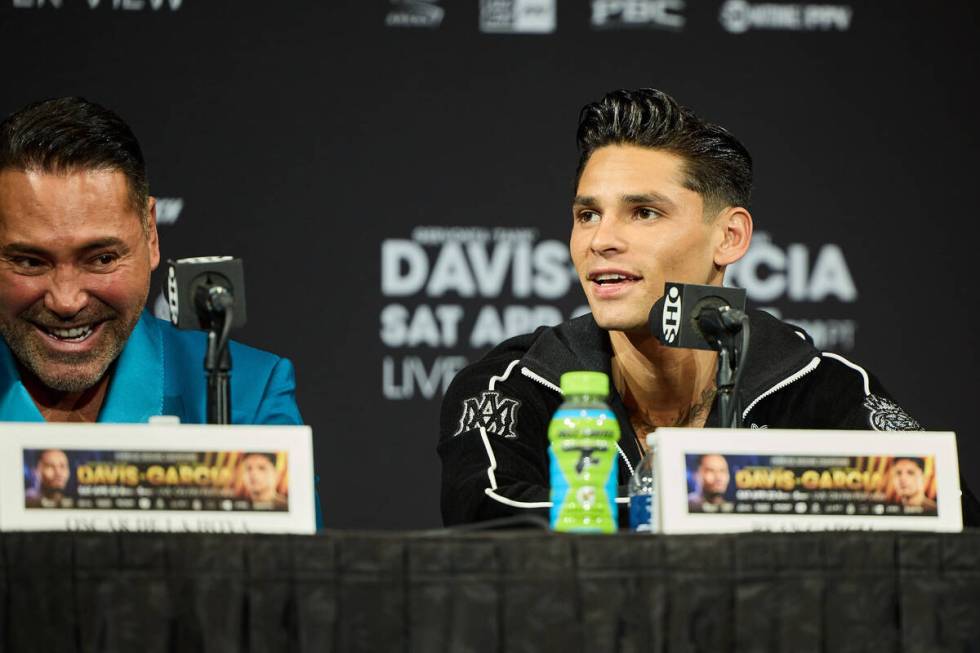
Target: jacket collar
[[135, 390], [578, 344], [16, 404], [776, 352]]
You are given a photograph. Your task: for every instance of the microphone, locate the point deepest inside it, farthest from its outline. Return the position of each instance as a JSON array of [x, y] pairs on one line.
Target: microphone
[[708, 317], [208, 292], [693, 316], [203, 290]]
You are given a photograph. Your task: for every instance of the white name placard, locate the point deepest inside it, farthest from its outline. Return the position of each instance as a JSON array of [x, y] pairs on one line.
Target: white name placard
[[156, 477], [719, 480]]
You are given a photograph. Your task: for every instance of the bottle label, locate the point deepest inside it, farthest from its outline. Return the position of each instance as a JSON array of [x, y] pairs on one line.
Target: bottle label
[[641, 515], [584, 470]]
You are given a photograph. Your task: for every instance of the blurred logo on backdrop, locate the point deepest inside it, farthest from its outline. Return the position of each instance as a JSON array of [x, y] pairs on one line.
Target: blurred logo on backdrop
[[518, 16], [169, 210], [740, 16], [451, 293], [121, 5], [415, 13], [803, 284], [652, 14]]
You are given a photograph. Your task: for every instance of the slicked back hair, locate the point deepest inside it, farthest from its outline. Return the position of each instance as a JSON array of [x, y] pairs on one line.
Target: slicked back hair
[[716, 165], [70, 134]]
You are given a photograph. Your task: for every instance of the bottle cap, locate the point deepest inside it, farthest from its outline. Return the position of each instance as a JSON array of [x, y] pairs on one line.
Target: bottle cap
[[585, 383]]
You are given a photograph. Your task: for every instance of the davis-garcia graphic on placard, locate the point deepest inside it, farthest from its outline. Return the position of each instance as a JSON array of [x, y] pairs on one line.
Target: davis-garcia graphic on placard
[[723, 480], [163, 477], [816, 485], [156, 480]]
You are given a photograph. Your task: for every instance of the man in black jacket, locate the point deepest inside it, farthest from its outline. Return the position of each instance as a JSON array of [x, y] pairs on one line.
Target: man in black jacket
[[661, 196]]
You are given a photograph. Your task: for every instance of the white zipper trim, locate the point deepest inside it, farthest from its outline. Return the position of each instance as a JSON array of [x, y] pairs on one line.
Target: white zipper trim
[[628, 466], [864, 373], [548, 384], [540, 379], [782, 384]]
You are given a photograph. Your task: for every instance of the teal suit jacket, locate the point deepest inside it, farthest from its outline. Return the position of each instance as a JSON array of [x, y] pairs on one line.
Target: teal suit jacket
[[161, 372]]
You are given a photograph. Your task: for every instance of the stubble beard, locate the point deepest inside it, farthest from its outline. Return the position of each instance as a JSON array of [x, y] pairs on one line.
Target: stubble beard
[[69, 371]]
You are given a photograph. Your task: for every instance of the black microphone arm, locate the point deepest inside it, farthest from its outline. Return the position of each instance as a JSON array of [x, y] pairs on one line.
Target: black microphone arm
[[708, 317], [728, 329], [216, 306]]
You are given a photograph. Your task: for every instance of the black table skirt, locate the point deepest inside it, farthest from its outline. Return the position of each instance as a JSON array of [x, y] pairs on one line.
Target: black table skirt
[[500, 592]]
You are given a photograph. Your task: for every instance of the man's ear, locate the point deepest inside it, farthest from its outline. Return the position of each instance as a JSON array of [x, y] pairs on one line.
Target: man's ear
[[152, 239], [735, 231]]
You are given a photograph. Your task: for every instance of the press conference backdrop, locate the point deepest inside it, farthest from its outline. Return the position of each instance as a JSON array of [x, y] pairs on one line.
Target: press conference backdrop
[[397, 176]]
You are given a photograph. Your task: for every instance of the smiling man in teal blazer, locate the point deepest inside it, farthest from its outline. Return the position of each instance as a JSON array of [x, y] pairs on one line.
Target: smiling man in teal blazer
[[78, 241]]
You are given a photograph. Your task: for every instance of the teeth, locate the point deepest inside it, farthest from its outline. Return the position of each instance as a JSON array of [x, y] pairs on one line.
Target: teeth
[[610, 277], [76, 333]]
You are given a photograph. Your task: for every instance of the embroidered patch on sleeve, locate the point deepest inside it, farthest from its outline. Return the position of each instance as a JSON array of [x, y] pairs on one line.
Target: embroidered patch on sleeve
[[490, 411], [886, 415]]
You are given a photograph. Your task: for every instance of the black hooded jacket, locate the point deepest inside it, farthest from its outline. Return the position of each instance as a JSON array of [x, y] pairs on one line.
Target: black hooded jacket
[[493, 433]]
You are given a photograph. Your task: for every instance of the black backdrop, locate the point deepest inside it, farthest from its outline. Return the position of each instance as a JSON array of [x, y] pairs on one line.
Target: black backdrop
[[324, 141]]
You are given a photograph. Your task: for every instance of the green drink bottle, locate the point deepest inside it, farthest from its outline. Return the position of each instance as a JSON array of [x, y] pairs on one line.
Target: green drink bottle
[[583, 435]]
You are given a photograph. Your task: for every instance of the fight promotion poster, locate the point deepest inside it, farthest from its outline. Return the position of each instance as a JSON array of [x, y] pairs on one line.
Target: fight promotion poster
[[714, 480], [157, 478]]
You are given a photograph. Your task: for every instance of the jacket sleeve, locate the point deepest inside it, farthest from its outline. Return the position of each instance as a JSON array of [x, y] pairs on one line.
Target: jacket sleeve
[[493, 445], [278, 402]]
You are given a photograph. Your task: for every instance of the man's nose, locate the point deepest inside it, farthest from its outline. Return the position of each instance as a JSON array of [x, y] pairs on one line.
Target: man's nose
[[66, 296], [607, 236]]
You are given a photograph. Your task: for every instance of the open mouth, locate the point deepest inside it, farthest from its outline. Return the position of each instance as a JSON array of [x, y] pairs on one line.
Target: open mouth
[[608, 284], [72, 334], [612, 279]]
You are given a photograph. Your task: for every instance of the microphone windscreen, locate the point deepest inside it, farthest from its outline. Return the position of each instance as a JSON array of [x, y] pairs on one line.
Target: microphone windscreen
[[185, 276], [673, 318]]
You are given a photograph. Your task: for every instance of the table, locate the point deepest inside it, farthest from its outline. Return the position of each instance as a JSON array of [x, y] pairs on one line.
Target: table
[[501, 592]]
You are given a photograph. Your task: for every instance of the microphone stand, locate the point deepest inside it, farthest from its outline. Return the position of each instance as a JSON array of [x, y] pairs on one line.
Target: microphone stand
[[727, 331], [218, 304]]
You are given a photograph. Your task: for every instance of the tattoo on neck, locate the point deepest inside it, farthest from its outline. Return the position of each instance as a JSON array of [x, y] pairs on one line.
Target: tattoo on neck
[[694, 412], [690, 415]]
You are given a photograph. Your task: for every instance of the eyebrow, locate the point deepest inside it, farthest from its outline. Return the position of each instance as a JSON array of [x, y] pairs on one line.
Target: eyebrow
[[100, 243], [641, 198], [585, 200], [23, 248], [648, 198]]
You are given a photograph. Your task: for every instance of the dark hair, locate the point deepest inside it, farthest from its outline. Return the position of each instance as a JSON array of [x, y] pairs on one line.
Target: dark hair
[[717, 166], [918, 462], [707, 455], [271, 457], [38, 455], [71, 133]]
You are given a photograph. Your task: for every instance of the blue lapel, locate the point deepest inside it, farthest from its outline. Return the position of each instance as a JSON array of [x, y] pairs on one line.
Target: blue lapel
[[136, 389], [16, 404]]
